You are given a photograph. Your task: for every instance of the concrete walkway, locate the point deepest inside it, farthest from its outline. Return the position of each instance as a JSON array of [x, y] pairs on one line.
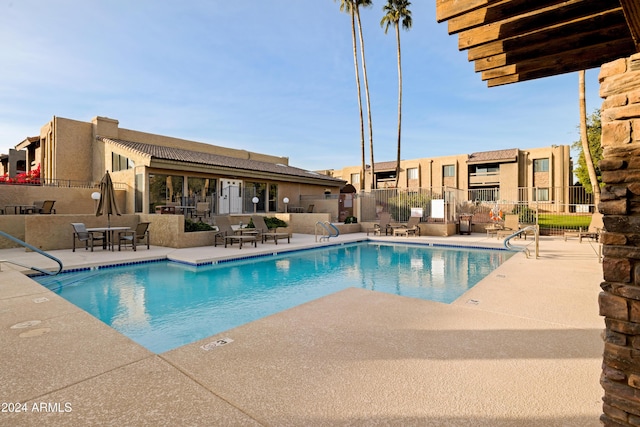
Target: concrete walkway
[[521, 348]]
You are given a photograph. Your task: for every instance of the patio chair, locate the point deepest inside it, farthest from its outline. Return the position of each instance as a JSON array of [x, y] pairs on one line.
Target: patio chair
[[132, 237], [44, 207], [384, 223], [227, 235], [266, 233], [411, 227], [310, 208], [81, 234], [511, 225], [202, 210], [593, 232]]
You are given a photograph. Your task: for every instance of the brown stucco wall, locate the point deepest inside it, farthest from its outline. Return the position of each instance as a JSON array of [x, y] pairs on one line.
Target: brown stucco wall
[[620, 203], [67, 200]]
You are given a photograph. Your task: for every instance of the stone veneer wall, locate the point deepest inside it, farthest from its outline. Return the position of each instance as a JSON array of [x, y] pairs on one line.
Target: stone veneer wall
[[620, 203]]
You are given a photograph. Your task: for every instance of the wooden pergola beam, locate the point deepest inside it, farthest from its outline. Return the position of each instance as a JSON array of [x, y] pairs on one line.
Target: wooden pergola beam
[[564, 62], [609, 24], [632, 16], [447, 9], [517, 40], [496, 12], [558, 15], [565, 43]]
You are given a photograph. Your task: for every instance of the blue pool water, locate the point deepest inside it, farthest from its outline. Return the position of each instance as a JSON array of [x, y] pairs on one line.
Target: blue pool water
[[163, 305]]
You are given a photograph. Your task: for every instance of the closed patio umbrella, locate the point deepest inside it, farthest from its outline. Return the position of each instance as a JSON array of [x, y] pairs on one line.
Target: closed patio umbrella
[[107, 204]]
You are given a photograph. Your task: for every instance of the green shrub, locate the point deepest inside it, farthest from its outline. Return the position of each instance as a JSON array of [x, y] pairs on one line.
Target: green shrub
[[526, 215], [400, 207], [271, 221], [190, 226], [351, 220]]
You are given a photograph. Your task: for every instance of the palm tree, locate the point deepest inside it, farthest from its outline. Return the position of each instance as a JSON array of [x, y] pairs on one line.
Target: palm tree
[[585, 141], [397, 12], [347, 7], [356, 6]]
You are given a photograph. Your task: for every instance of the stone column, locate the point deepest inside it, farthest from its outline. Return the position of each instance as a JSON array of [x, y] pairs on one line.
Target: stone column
[[620, 203]]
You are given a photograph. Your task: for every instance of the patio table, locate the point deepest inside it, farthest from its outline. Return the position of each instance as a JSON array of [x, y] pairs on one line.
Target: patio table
[[108, 232], [187, 210], [493, 229], [20, 209]]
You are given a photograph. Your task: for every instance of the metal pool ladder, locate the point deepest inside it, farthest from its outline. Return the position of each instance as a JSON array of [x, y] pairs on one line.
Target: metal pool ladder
[[327, 229], [536, 232], [33, 248]]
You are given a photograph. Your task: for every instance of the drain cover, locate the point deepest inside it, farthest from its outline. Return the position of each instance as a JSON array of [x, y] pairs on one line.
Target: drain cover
[[27, 324], [217, 343]]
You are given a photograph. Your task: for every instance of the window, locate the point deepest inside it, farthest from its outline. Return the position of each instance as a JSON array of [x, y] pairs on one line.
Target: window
[[542, 195], [412, 173], [120, 163], [449, 170], [163, 189], [273, 197], [199, 188], [541, 165], [355, 178]]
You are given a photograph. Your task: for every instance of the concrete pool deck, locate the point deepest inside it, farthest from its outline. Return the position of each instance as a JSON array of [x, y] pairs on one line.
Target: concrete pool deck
[[521, 348]]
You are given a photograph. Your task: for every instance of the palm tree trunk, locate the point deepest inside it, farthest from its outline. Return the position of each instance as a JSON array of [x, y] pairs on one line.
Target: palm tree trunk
[[366, 92], [399, 104], [355, 62], [585, 141]]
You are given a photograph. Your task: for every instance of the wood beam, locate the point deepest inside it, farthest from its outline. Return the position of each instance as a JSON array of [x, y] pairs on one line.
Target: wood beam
[[569, 61], [540, 47], [496, 12], [632, 15], [561, 14], [610, 22], [447, 9]]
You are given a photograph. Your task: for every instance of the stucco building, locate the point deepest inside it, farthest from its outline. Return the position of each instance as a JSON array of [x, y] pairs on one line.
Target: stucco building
[[486, 176], [156, 170]]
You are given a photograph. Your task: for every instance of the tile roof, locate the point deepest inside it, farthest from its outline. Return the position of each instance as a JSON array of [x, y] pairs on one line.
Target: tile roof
[[195, 157], [386, 166], [510, 155]]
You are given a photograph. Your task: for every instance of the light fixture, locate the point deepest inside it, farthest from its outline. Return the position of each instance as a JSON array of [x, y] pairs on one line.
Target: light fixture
[[96, 197], [255, 201], [286, 202]]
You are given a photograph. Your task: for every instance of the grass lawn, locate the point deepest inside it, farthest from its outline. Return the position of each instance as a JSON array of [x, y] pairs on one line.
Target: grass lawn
[[564, 221]]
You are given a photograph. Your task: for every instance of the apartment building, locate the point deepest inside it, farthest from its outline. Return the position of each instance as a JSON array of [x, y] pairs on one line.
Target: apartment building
[[485, 175], [157, 169]]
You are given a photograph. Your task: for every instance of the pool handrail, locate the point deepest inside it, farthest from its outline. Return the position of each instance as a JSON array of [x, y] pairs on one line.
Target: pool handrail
[[536, 232], [33, 248], [325, 227]]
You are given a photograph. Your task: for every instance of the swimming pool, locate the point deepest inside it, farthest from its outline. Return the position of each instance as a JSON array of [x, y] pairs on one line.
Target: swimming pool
[[163, 305]]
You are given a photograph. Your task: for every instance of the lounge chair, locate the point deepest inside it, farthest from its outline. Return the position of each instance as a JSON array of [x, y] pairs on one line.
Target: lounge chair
[[593, 232], [310, 208], [511, 225], [141, 233], [411, 227], [81, 234], [227, 235], [384, 223], [266, 233]]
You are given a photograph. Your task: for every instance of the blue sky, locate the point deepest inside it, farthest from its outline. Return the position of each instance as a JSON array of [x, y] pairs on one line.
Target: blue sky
[[274, 77]]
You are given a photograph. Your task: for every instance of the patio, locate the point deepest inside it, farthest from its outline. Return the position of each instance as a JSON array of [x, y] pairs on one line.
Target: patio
[[521, 348]]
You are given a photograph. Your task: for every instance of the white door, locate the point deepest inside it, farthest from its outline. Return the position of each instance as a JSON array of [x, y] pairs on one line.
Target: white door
[[230, 201]]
